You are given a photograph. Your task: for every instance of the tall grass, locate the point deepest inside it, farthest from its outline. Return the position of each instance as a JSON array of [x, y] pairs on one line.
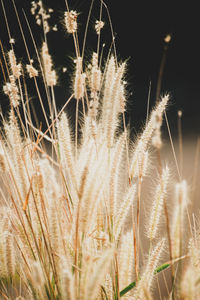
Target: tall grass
[[74, 221]]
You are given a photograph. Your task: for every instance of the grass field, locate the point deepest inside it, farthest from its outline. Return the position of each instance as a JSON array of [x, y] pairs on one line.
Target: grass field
[[86, 211]]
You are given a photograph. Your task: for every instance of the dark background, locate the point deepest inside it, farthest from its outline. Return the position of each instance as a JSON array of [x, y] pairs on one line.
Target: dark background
[[140, 28]]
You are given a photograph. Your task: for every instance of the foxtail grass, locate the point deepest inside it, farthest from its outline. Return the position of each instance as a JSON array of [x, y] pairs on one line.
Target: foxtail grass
[[72, 195]]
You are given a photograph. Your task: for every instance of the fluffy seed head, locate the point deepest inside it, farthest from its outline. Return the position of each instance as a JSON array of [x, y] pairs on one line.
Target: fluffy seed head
[[11, 41], [180, 113], [167, 38], [147, 276], [122, 213], [122, 98], [11, 90], [193, 247], [31, 71], [181, 201], [188, 288], [37, 274], [9, 254], [156, 138], [158, 204], [126, 260], [95, 75], [182, 193], [152, 123], [41, 15], [50, 74], [79, 81], [70, 19], [98, 26], [15, 68]]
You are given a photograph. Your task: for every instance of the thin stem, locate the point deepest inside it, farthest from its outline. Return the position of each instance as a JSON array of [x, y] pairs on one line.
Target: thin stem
[[161, 70], [169, 239], [138, 219], [99, 35], [180, 141], [127, 152], [111, 28], [148, 102], [76, 130], [86, 28], [56, 119], [196, 166], [135, 252], [172, 145]]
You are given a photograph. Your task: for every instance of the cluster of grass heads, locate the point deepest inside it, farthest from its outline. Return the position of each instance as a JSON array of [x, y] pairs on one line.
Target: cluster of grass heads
[[72, 213]]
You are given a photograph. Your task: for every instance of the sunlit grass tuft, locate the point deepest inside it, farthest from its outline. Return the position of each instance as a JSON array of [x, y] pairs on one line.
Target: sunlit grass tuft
[[73, 221]]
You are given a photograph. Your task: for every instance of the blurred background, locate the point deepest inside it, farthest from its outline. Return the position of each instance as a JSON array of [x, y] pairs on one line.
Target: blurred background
[[139, 28]]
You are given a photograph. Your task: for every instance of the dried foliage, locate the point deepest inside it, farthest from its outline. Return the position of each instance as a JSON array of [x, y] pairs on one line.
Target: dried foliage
[[70, 217]]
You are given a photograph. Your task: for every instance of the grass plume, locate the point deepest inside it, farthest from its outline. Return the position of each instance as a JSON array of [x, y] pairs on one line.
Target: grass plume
[[72, 204]]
